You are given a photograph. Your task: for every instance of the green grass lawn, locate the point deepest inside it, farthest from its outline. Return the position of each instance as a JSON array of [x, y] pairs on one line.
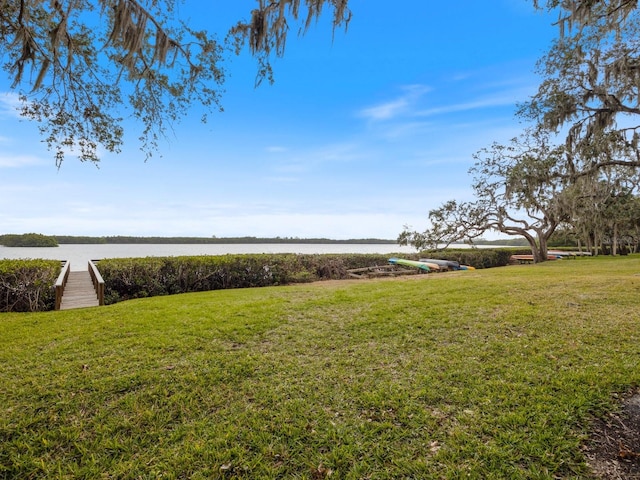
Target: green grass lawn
[[487, 374]]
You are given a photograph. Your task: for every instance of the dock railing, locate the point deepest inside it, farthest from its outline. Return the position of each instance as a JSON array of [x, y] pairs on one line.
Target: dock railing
[[61, 282], [98, 282]]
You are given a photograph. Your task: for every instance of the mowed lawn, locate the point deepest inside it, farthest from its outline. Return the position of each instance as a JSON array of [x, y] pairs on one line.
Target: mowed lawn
[[487, 374]]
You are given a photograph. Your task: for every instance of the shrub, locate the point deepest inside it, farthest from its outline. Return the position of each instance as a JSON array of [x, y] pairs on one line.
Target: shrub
[[476, 257], [28, 285], [128, 278]]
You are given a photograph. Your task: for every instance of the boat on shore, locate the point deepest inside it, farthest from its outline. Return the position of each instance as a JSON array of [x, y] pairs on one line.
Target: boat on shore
[[447, 264], [428, 265], [563, 253], [424, 266]]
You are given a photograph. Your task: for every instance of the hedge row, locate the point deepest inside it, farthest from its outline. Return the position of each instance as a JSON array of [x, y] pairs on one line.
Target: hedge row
[[476, 257], [128, 278], [28, 285]]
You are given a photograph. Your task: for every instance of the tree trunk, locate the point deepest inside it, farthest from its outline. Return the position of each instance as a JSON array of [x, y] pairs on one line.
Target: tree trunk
[[533, 246], [537, 256], [542, 246], [536, 251]]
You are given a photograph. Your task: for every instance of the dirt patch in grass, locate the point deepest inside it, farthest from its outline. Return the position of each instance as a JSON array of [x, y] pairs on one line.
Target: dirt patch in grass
[[613, 451]]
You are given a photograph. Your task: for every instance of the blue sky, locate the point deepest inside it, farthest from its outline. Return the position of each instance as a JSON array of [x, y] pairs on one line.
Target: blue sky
[[362, 133]]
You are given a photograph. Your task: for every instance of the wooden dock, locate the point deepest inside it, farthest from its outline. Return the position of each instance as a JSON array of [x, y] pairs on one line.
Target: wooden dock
[[79, 291]]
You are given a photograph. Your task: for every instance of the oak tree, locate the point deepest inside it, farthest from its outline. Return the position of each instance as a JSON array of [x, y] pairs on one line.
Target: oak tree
[[519, 191], [603, 210], [590, 91], [590, 94]]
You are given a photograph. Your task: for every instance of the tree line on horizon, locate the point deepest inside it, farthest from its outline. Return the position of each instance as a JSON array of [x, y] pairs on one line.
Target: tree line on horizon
[[127, 239], [28, 240], [39, 240]]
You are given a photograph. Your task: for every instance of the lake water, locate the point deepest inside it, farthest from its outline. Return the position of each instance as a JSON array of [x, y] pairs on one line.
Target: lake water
[[79, 255]]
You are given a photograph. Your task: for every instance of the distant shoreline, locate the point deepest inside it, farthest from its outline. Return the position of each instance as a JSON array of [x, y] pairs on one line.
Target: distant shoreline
[[131, 240]]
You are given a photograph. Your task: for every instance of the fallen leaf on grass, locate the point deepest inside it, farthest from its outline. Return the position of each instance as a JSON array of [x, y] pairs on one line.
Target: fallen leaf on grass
[[322, 472]]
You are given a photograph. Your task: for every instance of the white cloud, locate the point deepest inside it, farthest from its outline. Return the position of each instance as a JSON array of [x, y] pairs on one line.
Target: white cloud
[[488, 102], [10, 104], [16, 161], [394, 108], [478, 91], [332, 225], [386, 110]]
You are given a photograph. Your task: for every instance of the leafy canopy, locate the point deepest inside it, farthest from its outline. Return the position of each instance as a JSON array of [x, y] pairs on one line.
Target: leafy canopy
[[590, 96], [591, 81], [79, 65], [519, 191]]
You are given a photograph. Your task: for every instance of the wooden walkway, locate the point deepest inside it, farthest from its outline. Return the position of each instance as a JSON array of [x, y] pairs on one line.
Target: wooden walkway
[[79, 292]]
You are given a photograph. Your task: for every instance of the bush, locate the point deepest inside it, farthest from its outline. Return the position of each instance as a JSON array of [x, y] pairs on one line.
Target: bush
[[476, 257], [128, 278], [28, 285]]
